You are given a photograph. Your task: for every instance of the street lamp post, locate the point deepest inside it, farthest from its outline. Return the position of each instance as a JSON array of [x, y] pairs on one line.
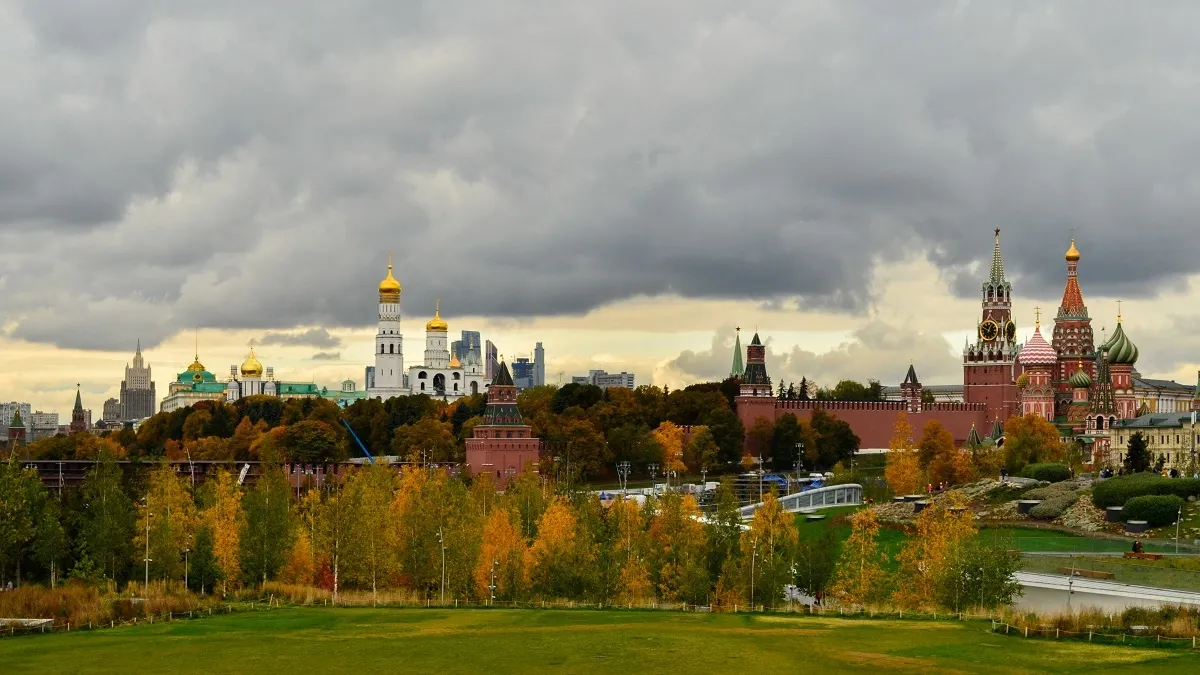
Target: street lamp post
[[492, 587], [1178, 518], [623, 475], [753, 560], [186, 551], [146, 580], [442, 588]]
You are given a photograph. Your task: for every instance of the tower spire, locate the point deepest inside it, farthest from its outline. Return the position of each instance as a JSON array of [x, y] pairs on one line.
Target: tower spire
[[997, 262], [737, 370]]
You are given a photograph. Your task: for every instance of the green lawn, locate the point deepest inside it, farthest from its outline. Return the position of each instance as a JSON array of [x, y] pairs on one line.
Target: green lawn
[[319, 640], [1051, 541], [1180, 573]]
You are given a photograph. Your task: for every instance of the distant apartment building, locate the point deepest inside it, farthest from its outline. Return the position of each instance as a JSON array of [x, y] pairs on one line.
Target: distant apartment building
[[112, 411], [42, 425], [6, 414], [605, 380]]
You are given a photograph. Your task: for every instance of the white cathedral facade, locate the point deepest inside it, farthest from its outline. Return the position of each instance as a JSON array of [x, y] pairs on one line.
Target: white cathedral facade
[[440, 376]]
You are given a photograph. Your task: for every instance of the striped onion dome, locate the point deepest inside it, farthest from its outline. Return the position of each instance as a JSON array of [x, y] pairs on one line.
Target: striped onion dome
[[1038, 352], [1081, 380], [1121, 350]]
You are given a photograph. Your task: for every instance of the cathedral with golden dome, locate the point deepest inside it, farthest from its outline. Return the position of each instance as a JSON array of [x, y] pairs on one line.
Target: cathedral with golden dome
[[439, 375]]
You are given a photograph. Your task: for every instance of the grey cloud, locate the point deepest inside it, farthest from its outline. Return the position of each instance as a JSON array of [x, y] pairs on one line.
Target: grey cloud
[[878, 350], [313, 337], [215, 165], [327, 356]]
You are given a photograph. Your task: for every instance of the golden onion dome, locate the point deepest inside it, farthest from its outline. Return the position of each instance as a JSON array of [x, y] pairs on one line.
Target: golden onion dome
[[1023, 380], [389, 288], [196, 366], [454, 362], [251, 367], [1072, 253], [436, 323]]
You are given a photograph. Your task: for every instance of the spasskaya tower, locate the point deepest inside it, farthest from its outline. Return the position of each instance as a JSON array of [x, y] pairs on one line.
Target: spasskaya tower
[[989, 365]]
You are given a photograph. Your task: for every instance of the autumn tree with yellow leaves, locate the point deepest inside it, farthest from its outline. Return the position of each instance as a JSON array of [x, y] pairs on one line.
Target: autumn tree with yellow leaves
[[503, 557], [939, 534], [903, 470], [860, 578]]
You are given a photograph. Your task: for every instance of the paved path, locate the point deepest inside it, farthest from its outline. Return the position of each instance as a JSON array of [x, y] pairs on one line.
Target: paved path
[[1147, 594]]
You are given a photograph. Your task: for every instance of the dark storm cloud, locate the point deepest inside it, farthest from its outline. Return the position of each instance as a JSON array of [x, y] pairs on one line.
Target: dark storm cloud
[[313, 337], [327, 356], [248, 164]]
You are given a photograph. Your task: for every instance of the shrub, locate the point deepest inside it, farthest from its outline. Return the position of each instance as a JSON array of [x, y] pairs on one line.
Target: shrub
[[1117, 491], [1051, 473], [1050, 491], [1157, 510], [1054, 507]]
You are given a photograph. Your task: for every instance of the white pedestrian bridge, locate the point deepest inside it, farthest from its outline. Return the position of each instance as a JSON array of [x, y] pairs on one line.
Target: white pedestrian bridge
[[849, 494]]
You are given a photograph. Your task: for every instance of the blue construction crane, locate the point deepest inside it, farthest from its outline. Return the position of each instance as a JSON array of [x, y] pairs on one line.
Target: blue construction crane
[[360, 443]]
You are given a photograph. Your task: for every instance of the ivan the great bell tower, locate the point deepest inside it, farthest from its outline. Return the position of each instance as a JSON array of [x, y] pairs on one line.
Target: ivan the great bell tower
[[989, 365]]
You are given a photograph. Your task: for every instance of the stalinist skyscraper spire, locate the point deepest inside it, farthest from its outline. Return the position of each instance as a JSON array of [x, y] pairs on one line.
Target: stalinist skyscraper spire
[[138, 400]]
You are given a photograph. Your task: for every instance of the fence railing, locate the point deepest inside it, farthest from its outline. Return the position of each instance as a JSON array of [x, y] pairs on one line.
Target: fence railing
[[1104, 634]]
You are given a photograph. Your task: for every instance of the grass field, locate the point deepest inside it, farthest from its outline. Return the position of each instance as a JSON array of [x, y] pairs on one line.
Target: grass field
[[317, 640], [1180, 573], [1022, 539]]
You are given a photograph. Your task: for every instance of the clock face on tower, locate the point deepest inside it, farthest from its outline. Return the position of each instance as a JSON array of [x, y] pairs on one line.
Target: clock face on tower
[[1010, 331], [988, 330]]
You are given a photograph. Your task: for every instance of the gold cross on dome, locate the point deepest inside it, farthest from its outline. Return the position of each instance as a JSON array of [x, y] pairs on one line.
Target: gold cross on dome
[[1037, 313], [1118, 311]]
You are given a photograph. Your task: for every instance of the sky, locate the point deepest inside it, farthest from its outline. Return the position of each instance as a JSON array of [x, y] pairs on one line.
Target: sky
[[627, 182]]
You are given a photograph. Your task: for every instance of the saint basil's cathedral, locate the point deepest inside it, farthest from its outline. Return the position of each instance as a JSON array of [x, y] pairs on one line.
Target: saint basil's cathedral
[[1089, 393]]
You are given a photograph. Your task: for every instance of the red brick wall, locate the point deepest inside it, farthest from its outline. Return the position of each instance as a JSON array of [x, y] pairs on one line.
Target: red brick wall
[[872, 422], [496, 455]]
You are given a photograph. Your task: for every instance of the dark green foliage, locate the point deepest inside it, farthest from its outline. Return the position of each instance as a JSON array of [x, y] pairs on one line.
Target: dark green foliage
[[980, 574], [816, 559], [311, 441], [1054, 507], [784, 452], [1157, 510], [836, 442], [1137, 458], [204, 568], [266, 533], [570, 395], [107, 521], [1051, 473], [728, 432], [266, 408], [1117, 491]]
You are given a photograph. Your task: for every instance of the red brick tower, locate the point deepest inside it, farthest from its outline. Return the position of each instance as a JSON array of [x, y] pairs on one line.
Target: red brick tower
[[754, 380], [79, 416], [1072, 338], [16, 431], [503, 445], [990, 365], [912, 391]]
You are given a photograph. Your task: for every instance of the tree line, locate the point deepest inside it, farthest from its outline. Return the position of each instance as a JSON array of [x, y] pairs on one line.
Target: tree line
[[590, 427]]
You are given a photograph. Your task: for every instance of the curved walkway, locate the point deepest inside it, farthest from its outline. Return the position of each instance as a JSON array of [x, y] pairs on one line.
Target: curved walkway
[[1148, 594], [849, 494]]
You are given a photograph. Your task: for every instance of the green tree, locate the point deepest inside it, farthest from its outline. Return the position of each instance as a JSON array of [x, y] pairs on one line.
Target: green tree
[[311, 441], [266, 535], [1137, 456], [21, 501], [204, 572], [1028, 440], [106, 523], [729, 433], [770, 544], [50, 543], [571, 395], [369, 554], [980, 574], [789, 432], [426, 441], [816, 560], [835, 440], [702, 449]]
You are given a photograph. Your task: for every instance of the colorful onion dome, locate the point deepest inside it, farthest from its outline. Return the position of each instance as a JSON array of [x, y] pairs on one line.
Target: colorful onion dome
[[1121, 350], [251, 367], [1038, 352], [1072, 254], [1081, 380], [1023, 380], [389, 288]]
